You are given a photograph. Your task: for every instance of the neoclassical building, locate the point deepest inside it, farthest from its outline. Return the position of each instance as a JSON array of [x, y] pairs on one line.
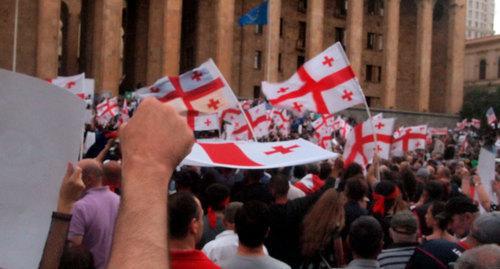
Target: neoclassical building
[[408, 54]]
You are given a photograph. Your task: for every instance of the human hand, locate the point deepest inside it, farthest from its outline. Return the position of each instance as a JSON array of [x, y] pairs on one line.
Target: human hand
[[155, 136], [71, 188]]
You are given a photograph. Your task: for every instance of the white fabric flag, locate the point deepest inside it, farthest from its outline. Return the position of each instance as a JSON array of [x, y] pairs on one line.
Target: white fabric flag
[[360, 146], [254, 155], [74, 84], [409, 139], [202, 89], [325, 84], [206, 122], [107, 110]]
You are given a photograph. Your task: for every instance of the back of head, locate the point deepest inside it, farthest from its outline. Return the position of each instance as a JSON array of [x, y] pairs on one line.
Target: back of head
[[486, 228], [217, 196], [356, 188], [434, 190], [92, 172], [324, 221], [299, 171], [325, 170], [230, 211], [312, 168], [404, 227], [112, 173], [182, 209], [365, 237], [76, 257], [279, 185], [252, 223], [483, 257]]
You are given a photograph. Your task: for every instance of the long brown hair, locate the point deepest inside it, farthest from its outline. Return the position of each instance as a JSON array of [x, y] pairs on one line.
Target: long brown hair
[[323, 223]]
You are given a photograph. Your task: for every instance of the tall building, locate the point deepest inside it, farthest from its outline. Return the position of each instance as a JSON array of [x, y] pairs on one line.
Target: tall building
[[407, 54], [480, 18], [482, 56]]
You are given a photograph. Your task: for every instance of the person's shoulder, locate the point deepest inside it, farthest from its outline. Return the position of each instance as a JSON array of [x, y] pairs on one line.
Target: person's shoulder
[[276, 264]]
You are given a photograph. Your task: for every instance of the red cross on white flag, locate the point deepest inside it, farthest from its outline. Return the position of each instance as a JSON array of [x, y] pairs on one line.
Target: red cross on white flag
[[235, 122], [74, 84], [254, 155], [201, 90], [325, 84], [409, 139], [206, 122], [107, 110], [281, 121], [259, 120], [360, 145], [124, 117]]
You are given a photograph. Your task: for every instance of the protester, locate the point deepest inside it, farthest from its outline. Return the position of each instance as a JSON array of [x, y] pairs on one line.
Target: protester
[[225, 244], [321, 241], [252, 225], [438, 223], [94, 214], [366, 241], [217, 198], [483, 257], [185, 228], [403, 231]]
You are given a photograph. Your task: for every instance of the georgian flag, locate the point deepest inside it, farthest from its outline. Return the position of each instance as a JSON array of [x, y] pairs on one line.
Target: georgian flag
[[236, 126], [124, 117], [476, 123], [360, 145], [202, 90], [254, 155], [490, 116], [409, 139], [259, 120], [438, 131], [74, 84], [206, 122], [107, 110], [281, 121], [309, 184], [325, 84]]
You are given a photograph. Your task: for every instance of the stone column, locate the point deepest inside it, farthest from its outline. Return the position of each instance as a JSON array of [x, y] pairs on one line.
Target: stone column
[[107, 45], [164, 38], [314, 36], [272, 40], [423, 55], [224, 37], [391, 42], [355, 14], [47, 58], [455, 62], [72, 46]]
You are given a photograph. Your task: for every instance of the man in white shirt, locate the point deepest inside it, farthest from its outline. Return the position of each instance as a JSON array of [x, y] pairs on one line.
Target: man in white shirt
[[225, 244]]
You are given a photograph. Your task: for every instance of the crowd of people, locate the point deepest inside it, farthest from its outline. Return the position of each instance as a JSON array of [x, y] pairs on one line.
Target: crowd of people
[[128, 205]]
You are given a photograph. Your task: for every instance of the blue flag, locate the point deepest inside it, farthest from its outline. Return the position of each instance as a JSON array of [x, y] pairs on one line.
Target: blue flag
[[257, 15]]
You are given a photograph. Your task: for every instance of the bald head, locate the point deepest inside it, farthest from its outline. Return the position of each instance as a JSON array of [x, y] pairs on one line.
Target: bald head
[[92, 173], [112, 173]]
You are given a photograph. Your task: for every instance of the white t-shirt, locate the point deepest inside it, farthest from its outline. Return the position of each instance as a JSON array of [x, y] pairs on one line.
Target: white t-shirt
[[223, 247]]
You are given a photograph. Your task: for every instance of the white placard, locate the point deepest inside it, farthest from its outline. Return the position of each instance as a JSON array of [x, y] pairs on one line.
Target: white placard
[[40, 131], [486, 170]]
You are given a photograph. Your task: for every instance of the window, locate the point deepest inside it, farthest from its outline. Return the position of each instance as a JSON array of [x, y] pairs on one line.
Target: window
[[371, 41], [340, 35], [302, 30], [301, 59], [369, 75], [258, 29], [482, 69], [282, 26], [257, 60], [302, 6], [280, 63], [256, 92], [376, 7], [340, 8]]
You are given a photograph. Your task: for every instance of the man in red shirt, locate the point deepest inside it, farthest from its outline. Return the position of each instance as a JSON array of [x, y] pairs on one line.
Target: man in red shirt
[[185, 219]]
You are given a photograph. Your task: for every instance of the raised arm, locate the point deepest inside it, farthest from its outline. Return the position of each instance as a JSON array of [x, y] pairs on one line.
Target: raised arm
[[153, 143]]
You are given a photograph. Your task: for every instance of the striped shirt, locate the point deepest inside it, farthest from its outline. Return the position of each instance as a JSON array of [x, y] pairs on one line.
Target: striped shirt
[[396, 257]]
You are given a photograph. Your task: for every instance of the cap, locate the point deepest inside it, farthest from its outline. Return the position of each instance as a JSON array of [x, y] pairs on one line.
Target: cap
[[423, 172], [404, 222], [458, 205], [486, 228]]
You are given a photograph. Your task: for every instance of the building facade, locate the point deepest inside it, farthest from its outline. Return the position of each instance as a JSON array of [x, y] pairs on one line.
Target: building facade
[[407, 54], [482, 58], [480, 18]]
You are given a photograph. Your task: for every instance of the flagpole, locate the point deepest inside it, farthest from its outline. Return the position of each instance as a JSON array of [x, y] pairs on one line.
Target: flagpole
[[16, 20], [370, 118], [248, 122]]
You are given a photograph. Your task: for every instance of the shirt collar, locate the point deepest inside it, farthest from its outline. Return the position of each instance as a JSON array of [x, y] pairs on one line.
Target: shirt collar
[[364, 263]]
